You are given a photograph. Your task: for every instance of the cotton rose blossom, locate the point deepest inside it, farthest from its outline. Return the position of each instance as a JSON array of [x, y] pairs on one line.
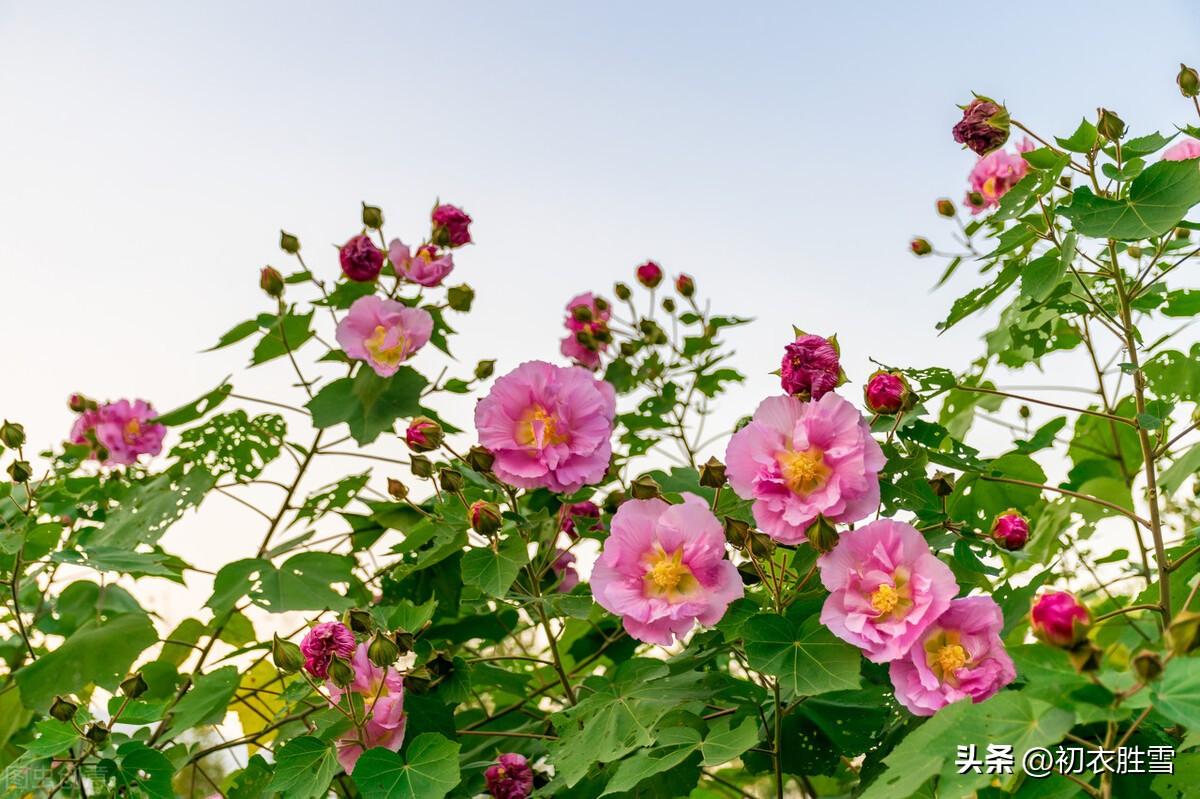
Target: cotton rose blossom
[[886, 393], [663, 568], [1059, 619], [361, 260], [382, 693], [800, 460], [510, 777], [324, 641], [984, 126], [384, 333], [1183, 151], [586, 509], [563, 567], [451, 226], [427, 267], [548, 426], [593, 327], [993, 175], [1011, 530], [959, 656], [649, 274], [811, 367], [124, 429], [886, 588]]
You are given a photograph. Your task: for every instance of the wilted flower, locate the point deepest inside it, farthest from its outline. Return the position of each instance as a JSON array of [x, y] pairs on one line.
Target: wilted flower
[[984, 126], [384, 333], [324, 641], [811, 367], [361, 260], [510, 777], [451, 226]]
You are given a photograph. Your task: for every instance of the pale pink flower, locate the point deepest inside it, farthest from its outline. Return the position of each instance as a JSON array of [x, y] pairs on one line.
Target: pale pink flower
[[886, 588], [324, 641], [594, 331], [959, 656], [123, 429], [564, 568], [663, 569], [994, 174], [1182, 151], [382, 695], [384, 333], [799, 460], [427, 267], [548, 426]]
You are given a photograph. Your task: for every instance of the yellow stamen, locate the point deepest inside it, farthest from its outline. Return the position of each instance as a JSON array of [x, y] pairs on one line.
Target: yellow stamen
[[951, 658], [132, 428], [667, 576], [989, 187], [538, 429], [390, 356], [885, 599], [804, 471]]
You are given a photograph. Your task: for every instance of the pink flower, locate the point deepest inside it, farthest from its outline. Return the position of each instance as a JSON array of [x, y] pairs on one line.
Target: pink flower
[[324, 641], [589, 324], [451, 226], [569, 513], [799, 460], [510, 777], [384, 333], [649, 274], [992, 177], [548, 426], [1183, 151], [123, 429], [427, 267], [1058, 618], [564, 569], [886, 393], [663, 568], [1011, 530], [382, 694], [810, 368], [361, 260], [886, 588], [960, 656]]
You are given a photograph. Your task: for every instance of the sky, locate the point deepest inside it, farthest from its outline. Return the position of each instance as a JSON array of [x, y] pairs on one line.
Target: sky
[[782, 153]]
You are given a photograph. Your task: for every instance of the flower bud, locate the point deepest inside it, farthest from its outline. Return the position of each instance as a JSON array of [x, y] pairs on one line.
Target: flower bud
[[480, 459], [737, 532], [984, 125], [1059, 619], [382, 651], [668, 305], [270, 281], [1011, 530], [97, 733], [614, 500], [287, 655], [1024, 412], [450, 479], [622, 291], [12, 434], [712, 473], [420, 466], [134, 685], [372, 217], [423, 434], [685, 285], [79, 403], [887, 393], [460, 297], [397, 489], [811, 367], [945, 207], [822, 534], [600, 304], [358, 620], [288, 243], [341, 673], [63, 709], [1184, 632], [484, 369], [1188, 80], [1110, 125], [485, 517], [1085, 656], [1134, 252], [404, 641], [975, 199], [942, 484], [1182, 233], [1147, 665], [20, 471], [920, 246], [649, 274], [645, 487], [628, 349], [361, 260]]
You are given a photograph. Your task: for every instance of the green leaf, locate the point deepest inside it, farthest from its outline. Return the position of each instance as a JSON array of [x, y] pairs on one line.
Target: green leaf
[[290, 334], [195, 409], [495, 570], [1177, 693], [675, 745], [143, 772], [148, 509], [1158, 199], [1082, 140], [724, 742], [208, 700], [369, 404], [304, 767], [233, 444], [429, 770], [54, 737], [1041, 275], [242, 330], [1184, 467], [807, 658], [98, 654], [303, 582]]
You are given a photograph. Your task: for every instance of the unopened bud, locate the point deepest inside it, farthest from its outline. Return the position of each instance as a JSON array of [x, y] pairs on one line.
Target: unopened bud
[[134, 685], [1134, 252], [341, 673], [668, 305], [404, 641], [600, 304], [581, 313], [358, 620], [397, 489], [1148, 666], [20, 471], [485, 517], [372, 217], [975, 199], [1110, 125], [920, 246], [382, 651], [270, 281], [63, 709], [622, 291], [287, 655], [484, 369], [1188, 80], [288, 243], [480, 459], [614, 500], [645, 487], [712, 473], [418, 682], [737, 532], [685, 285], [450, 479], [97, 733], [460, 297], [1024, 412], [1059, 619], [12, 434], [942, 484], [441, 665], [1085, 656], [761, 545], [822, 535], [649, 274], [1011, 530], [79, 403], [945, 207], [423, 434], [420, 466]]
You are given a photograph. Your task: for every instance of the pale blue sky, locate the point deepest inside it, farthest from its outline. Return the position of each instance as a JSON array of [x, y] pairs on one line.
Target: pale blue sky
[[783, 153]]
